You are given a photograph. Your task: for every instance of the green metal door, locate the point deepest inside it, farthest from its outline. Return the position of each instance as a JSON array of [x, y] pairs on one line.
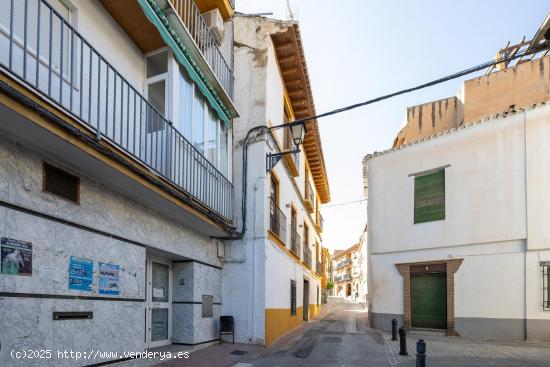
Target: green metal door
[[429, 300]]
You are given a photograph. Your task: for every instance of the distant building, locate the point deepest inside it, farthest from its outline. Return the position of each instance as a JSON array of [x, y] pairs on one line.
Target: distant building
[[348, 273], [272, 278], [458, 238]]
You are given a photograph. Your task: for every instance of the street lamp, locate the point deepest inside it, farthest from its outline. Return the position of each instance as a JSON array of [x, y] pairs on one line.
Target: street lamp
[[298, 131]]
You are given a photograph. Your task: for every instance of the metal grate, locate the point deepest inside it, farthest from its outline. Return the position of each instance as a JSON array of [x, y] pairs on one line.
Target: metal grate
[[292, 297], [545, 286]]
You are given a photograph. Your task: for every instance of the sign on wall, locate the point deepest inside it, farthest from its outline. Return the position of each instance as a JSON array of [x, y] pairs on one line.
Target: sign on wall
[[16, 257], [109, 279], [81, 273]]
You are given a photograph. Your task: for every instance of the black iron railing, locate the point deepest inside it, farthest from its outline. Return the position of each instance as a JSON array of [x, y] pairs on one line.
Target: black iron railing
[[307, 255], [191, 17], [39, 46], [310, 196], [295, 243], [277, 220]]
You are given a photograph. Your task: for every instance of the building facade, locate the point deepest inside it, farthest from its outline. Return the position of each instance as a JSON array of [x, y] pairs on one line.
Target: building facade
[[116, 174], [273, 275], [348, 272], [471, 254]]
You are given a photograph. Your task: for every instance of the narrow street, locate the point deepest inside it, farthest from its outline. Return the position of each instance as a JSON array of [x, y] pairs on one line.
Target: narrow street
[[341, 337], [332, 340]]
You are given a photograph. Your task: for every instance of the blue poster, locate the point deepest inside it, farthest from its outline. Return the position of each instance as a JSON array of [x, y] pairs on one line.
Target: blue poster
[[109, 279], [81, 274]]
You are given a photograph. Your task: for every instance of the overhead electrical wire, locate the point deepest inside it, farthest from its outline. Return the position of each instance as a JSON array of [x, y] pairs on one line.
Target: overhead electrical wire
[[343, 203], [485, 65], [258, 130]]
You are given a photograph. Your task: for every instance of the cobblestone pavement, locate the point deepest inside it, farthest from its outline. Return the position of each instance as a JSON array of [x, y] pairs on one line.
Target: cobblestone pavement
[[455, 351]]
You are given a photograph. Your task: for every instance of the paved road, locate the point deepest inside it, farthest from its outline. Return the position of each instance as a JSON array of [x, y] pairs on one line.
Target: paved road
[[334, 340]]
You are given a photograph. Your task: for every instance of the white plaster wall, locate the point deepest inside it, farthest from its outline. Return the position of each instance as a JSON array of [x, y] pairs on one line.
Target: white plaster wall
[[484, 189], [538, 177], [489, 283], [112, 42], [116, 326]]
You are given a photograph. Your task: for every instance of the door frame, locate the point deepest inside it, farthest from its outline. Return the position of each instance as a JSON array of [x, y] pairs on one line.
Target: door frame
[[305, 300], [149, 304], [451, 267]]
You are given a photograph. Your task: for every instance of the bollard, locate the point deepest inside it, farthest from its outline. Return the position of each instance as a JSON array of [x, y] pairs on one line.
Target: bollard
[[394, 330], [403, 341], [420, 353]]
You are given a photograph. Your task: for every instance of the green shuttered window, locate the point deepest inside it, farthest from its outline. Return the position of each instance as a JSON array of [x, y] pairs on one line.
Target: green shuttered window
[[429, 197]]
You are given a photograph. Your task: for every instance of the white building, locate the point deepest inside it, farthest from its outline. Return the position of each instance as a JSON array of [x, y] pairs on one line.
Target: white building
[[115, 174], [349, 271], [272, 278], [457, 234]]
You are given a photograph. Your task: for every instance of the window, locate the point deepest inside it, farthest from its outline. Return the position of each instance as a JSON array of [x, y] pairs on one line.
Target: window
[[61, 183], [545, 286], [292, 298], [306, 236], [157, 77], [318, 295], [200, 124], [429, 197]]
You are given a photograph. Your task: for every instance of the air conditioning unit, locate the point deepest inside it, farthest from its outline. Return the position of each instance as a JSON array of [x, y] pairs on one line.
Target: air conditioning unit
[[214, 21]]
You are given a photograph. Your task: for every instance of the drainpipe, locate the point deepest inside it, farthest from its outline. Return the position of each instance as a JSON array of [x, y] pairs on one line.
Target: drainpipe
[[526, 229]]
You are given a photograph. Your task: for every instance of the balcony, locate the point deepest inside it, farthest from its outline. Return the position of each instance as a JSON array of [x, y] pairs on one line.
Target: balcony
[[307, 256], [190, 16], [343, 278], [319, 224], [318, 268], [343, 264], [309, 196], [277, 221], [292, 160], [295, 243], [60, 65]]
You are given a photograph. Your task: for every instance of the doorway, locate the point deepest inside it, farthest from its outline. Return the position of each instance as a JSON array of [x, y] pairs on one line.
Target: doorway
[[429, 300], [158, 305], [348, 290], [306, 300]]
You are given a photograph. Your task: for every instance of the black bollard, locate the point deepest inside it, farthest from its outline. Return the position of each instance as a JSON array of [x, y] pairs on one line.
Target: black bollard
[[420, 353], [403, 341], [394, 330]]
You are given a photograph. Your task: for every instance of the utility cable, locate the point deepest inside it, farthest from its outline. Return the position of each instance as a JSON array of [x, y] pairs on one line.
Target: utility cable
[[456, 75]]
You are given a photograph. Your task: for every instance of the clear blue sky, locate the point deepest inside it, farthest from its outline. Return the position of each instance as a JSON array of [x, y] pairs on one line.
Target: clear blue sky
[[357, 50]]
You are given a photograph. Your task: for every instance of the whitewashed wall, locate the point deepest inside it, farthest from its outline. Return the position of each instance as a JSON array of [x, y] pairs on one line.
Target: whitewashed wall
[[496, 193]]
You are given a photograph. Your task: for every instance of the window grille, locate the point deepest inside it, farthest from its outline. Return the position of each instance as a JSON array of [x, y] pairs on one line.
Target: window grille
[[61, 183], [293, 298], [545, 286]]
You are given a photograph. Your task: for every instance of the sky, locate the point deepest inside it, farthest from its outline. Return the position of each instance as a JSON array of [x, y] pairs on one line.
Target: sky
[[360, 49]]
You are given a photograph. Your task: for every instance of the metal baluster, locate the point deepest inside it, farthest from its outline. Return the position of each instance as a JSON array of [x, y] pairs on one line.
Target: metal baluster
[[11, 33], [50, 55], [38, 46], [25, 22], [121, 125], [127, 115], [107, 100], [81, 63], [72, 71], [114, 103], [134, 140], [61, 66], [90, 88], [98, 93]]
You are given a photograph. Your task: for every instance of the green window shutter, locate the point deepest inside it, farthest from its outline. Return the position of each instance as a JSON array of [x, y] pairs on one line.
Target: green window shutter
[[429, 197]]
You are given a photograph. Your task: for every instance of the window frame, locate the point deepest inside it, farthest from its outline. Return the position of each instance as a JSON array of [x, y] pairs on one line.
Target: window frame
[[45, 167], [417, 218]]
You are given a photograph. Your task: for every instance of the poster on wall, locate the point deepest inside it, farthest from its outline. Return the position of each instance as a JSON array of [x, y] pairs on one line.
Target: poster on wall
[[81, 273], [109, 279], [15, 257]]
